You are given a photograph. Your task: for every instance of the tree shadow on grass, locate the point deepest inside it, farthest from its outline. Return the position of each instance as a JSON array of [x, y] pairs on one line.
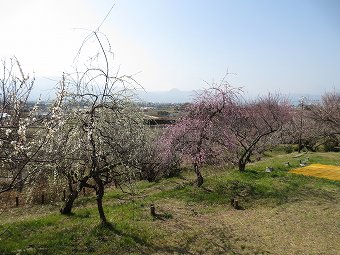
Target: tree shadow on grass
[[110, 228], [142, 246], [82, 215]]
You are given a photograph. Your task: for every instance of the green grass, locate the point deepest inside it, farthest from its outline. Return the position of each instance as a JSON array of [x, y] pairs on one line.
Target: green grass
[[279, 209]]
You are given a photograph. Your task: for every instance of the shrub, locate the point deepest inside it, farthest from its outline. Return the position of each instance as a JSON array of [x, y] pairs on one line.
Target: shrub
[[288, 149], [331, 145]]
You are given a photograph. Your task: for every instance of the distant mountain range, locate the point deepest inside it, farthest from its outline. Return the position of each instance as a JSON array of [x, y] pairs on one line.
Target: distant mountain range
[[179, 96], [171, 96], [307, 98], [44, 87]]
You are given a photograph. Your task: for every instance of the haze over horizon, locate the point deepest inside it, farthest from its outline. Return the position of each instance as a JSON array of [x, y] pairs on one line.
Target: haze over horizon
[[277, 46], [44, 88]]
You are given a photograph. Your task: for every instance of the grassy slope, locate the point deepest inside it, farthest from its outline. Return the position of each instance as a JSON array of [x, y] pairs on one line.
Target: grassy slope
[[283, 214]]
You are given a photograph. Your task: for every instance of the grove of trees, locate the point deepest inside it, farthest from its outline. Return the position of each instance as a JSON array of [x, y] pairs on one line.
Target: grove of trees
[[222, 125], [93, 134]]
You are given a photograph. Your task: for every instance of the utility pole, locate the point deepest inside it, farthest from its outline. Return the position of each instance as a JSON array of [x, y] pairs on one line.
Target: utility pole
[[302, 104]]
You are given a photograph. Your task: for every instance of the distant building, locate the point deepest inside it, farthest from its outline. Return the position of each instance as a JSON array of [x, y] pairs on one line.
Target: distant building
[[4, 115]]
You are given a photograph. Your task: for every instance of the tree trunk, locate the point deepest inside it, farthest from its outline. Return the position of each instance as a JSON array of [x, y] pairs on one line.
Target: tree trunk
[[100, 195], [20, 182], [245, 158], [74, 192], [199, 180], [241, 165], [69, 202]]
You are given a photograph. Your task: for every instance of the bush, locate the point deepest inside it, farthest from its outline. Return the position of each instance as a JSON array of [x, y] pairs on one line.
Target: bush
[[288, 149], [331, 145], [163, 113]]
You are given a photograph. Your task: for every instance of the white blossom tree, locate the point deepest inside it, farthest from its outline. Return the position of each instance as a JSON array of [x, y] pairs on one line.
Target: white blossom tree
[[101, 131], [24, 131]]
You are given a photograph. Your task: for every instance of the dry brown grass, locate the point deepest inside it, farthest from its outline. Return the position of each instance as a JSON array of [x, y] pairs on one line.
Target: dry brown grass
[[297, 228]]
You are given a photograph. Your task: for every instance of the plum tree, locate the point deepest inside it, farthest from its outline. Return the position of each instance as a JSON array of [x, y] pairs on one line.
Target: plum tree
[[24, 131], [221, 122]]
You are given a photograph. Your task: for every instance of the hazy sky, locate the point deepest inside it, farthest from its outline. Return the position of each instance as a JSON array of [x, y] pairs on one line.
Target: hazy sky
[[286, 46]]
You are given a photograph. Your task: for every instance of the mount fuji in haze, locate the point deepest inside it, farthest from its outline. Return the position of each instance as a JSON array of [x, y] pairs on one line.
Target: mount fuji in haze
[[44, 87], [171, 96]]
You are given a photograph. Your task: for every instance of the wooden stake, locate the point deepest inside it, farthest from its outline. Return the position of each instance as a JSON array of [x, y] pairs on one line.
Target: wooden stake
[[152, 210], [236, 206]]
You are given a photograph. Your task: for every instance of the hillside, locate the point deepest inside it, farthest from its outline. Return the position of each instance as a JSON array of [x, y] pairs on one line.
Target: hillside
[[280, 213]]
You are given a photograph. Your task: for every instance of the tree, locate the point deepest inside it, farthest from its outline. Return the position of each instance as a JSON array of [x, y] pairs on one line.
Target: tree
[[312, 134], [150, 157], [96, 149], [221, 122], [24, 132], [191, 137], [246, 127], [322, 122], [328, 112], [100, 131]]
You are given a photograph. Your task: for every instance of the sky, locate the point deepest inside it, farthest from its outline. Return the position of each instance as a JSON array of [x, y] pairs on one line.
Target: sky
[[265, 45]]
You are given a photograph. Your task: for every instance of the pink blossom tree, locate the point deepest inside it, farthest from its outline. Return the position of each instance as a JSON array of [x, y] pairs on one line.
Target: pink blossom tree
[[151, 157], [192, 136], [247, 127], [222, 124]]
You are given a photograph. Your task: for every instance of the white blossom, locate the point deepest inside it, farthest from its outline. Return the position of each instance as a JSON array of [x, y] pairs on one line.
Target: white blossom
[[8, 131]]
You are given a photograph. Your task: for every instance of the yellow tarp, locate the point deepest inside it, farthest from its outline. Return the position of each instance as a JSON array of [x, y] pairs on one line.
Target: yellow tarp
[[319, 170]]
